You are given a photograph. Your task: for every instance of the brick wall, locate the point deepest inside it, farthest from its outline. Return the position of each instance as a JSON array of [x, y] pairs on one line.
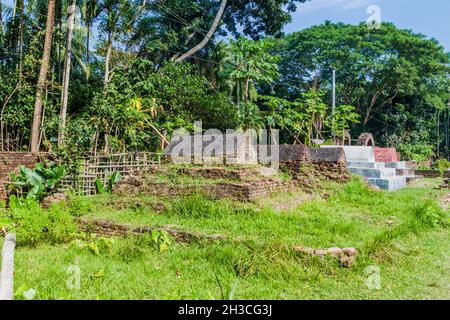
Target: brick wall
[[10, 162], [431, 173], [220, 173], [244, 191]]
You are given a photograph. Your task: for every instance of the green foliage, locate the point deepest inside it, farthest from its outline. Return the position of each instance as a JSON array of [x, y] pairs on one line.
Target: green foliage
[[397, 80], [416, 152], [112, 181], [442, 165], [196, 206], [430, 214], [162, 240], [99, 186], [40, 180], [34, 225], [94, 244], [342, 118]]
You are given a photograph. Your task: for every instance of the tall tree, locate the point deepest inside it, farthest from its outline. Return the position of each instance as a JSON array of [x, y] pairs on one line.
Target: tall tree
[[181, 29], [37, 115], [91, 10], [396, 79], [208, 36], [66, 75]]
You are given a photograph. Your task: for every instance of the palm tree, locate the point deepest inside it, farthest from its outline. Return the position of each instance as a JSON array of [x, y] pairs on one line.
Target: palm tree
[[91, 9], [37, 115]]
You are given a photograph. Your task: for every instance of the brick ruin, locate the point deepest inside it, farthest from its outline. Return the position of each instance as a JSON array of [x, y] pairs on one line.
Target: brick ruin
[[306, 166], [243, 184], [304, 162], [10, 162]]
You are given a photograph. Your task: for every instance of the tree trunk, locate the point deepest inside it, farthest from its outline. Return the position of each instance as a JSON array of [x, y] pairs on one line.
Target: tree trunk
[[66, 75], [88, 34], [7, 273], [208, 36], [108, 59], [1, 15], [35, 129]]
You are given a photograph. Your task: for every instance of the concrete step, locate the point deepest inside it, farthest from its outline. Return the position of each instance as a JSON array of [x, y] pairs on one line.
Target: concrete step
[[356, 153], [390, 184], [396, 165], [372, 165], [373, 173]]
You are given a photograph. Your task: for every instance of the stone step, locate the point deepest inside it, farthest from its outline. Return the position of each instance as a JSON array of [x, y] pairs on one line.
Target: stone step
[[371, 165], [390, 184], [373, 173]]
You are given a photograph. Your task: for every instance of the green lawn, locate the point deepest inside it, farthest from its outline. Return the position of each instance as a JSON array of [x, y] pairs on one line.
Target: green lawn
[[402, 233]]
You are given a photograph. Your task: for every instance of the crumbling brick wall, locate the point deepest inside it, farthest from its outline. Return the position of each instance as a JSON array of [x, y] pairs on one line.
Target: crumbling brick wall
[[431, 173], [293, 157], [328, 164], [243, 191], [314, 163], [10, 162]]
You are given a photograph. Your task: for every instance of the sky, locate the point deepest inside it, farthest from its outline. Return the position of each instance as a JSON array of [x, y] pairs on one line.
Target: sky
[[429, 17]]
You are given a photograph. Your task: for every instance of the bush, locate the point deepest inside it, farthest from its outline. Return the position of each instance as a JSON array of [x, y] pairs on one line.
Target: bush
[[416, 152], [32, 224], [442, 165]]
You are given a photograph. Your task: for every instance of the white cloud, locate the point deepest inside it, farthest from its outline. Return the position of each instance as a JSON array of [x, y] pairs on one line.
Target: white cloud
[[340, 5]]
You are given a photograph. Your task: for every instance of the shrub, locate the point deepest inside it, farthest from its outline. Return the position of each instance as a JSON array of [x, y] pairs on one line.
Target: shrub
[[32, 224], [416, 152], [442, 165]]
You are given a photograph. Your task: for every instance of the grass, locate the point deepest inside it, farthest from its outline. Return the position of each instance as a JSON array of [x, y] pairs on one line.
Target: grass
[[403, 233]]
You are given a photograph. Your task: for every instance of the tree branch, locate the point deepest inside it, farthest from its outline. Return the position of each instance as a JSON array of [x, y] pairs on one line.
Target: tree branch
[[208, 36]]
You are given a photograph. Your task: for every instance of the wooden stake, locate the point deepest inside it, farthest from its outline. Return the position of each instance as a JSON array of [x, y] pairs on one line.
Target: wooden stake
[[7, 273]]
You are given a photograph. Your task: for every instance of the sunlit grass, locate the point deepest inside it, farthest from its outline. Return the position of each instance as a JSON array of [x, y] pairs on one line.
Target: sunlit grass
[[402, 232]]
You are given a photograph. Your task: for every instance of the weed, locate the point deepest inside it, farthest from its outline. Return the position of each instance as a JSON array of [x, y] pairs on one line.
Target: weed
[[93, 244], [33, 224]]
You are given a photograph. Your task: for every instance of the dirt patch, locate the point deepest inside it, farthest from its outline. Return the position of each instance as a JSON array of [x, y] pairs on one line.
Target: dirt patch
[[446, 201]]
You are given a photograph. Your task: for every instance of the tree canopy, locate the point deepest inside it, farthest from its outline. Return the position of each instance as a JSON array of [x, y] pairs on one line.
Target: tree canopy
[[397, 80]]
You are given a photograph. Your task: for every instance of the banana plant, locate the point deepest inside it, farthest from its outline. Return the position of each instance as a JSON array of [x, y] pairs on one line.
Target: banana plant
[[113, 179], [40, 180]]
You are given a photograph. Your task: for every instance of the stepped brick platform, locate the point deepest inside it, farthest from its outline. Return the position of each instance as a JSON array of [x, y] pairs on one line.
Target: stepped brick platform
[[387, 174], [246, 184]]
